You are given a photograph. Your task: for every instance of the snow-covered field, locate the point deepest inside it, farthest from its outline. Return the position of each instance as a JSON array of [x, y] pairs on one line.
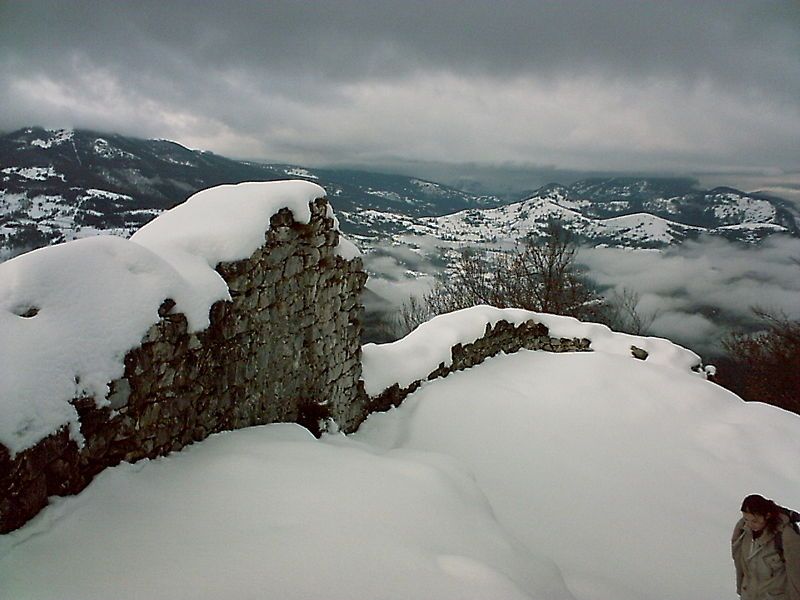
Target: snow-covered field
[[590, 476]]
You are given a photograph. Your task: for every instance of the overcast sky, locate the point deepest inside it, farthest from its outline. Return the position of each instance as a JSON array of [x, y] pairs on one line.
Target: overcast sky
[[695, 85]]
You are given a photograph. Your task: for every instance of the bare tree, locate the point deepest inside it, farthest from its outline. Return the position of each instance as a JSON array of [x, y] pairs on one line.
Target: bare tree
[[623, 313], [765, 366], [537, 275], [543, 276], [413, 312]]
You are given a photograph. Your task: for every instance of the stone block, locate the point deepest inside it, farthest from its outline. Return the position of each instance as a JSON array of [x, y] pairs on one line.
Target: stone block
[[28, 501], [120, 393], [149, 417]]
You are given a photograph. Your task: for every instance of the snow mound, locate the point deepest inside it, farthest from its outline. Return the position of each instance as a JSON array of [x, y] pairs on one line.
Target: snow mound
[[69, 313], [223, 224], [628, 475], [271, 512], [227, 223], [421, 352]]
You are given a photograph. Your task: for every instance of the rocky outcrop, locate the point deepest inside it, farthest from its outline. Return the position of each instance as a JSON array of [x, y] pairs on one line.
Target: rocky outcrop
[[285, 348]]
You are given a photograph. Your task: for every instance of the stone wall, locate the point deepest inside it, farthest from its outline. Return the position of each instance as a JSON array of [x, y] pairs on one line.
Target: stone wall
[[286, 348], [502, 337]]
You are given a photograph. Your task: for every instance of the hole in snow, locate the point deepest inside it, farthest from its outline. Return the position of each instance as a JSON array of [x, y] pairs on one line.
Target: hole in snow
[[26, 312]]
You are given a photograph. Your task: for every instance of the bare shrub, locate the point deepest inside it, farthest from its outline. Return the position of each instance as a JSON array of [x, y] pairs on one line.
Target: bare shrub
[[764, 366], [536, 275], [623, 313]]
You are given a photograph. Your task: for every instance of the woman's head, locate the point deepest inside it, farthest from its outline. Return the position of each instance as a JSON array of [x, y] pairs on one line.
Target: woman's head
[[760, 513]]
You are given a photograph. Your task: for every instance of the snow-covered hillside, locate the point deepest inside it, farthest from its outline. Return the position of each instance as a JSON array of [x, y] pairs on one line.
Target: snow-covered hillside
[[734, 217], [585, 476], [515, 221], [60, 185], [618, 212]]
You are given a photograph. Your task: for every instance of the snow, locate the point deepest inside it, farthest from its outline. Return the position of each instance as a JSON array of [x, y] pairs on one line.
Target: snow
[[736, 209], [57, 137], [391, 196], [33, 173], [428, 186], [300, 172], [431, 189], [347, 249], [584, 476], [514, 221], [102, 148], [199, 234], [646, 227], [270, 512], [413, 357], [95, 298], [754, 227], [104, 194], [51, 207], [11, 202], [627, 474]]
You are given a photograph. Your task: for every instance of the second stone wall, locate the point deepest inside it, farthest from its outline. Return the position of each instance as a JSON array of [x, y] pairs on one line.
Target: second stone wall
[[502, 337]]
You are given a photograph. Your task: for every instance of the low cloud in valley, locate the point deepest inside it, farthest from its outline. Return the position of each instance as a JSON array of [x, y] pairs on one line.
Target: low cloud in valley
[[700, 290]]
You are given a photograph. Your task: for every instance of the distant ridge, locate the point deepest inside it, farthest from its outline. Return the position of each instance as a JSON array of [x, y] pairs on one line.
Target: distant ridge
[[58, 185]]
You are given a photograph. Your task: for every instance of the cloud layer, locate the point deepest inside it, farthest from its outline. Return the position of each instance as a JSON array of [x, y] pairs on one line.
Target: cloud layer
[[693, 294], [700, 290], [620, 84]]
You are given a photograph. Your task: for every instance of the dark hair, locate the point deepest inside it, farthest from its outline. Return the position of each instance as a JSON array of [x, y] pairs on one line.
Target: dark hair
[[758, 505]]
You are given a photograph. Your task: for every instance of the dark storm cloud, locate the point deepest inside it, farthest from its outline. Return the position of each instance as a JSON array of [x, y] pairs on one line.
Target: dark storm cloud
[[568, 83], [746, 42]]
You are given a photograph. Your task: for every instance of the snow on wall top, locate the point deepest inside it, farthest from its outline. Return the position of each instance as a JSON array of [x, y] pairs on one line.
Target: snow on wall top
[[69, 313], [421, 352], [227, 223]]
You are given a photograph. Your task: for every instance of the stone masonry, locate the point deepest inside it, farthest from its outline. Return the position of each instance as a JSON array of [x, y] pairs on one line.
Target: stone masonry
[[286, 348]]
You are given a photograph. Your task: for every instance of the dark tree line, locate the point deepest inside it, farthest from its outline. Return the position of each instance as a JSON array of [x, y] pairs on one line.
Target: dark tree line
[[764, 366]]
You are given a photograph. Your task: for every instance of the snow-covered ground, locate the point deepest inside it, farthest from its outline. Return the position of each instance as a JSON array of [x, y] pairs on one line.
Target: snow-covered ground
[[586, 476], [627, 475]]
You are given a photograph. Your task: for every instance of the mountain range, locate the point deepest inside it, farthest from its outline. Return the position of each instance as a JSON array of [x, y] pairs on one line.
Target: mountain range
[[58, 185], [623, 212]]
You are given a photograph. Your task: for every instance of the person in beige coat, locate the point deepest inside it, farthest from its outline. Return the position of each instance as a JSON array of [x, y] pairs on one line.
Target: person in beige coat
[[766, 551]]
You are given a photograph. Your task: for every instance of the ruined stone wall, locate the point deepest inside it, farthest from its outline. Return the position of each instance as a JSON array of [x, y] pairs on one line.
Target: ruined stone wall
[[285, 349], [502, 337]]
